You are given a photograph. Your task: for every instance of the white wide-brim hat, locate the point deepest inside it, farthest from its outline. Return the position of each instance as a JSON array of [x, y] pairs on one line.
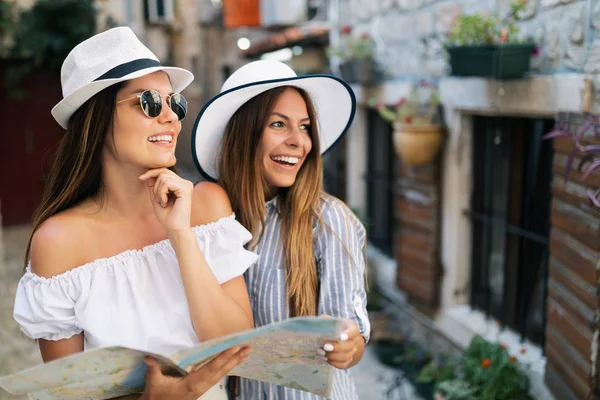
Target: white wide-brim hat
[[334, 102], [110, 57]]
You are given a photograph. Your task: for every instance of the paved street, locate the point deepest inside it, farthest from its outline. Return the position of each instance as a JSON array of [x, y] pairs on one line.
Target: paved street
[[18, 352]]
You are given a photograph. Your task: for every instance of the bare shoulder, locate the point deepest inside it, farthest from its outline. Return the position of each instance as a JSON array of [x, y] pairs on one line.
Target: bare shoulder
[[57, 245], [210, 203]]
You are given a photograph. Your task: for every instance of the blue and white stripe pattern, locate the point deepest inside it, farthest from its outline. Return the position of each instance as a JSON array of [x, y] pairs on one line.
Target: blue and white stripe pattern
[[339, 250]]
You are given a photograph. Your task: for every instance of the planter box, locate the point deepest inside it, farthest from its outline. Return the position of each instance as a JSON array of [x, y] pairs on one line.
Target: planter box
[[365, 72], [503, 61]]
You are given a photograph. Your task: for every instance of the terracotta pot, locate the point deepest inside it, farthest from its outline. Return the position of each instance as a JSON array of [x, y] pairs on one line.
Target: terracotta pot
[[417, 144]]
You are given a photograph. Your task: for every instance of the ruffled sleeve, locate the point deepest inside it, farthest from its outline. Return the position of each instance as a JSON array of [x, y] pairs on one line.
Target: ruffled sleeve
[[222, 244], [45, 307]]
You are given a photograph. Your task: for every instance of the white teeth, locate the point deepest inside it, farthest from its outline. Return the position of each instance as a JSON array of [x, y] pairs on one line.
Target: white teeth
[[289, 160], [161, 138]]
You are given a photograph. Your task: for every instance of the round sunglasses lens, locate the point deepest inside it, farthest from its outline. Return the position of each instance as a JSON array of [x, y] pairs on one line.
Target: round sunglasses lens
[[179, 105], [151, 103]]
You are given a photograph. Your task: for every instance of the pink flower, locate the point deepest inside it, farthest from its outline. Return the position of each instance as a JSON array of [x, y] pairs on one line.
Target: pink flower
[[365, 36], [504, 35], [400, 102]]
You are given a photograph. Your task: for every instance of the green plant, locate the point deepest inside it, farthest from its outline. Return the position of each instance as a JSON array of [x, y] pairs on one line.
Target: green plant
[[420, 107], [485, 28], [456, 389], [353, 47], [488, 370], [7, 25], [437, 370]]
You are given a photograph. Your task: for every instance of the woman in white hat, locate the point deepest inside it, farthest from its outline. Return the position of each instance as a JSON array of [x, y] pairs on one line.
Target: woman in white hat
[[124, 251], [262, 138]]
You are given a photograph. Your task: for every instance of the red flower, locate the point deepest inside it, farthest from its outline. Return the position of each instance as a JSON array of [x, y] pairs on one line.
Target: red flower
[[346, 30], [486, 363], [523, 350], [512, 359], [408, 119]]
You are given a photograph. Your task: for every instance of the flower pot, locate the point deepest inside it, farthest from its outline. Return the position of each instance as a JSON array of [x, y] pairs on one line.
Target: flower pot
[[501, 61], [425, 390], [348, 72], [390, 351], [417, 144], [363, 71]]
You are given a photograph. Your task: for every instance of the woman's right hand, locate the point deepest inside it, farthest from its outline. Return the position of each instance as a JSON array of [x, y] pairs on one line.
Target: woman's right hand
[[197, 382]]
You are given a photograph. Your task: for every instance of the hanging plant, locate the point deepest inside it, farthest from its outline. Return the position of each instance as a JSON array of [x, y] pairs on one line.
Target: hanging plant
[[418, 130], [590, 153]]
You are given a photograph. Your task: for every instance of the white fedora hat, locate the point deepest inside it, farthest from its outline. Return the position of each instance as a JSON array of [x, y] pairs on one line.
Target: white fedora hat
[[107, 58], [333, 99]]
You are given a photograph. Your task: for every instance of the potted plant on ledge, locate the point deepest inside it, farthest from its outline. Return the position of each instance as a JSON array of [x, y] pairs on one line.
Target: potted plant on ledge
[[418, 131], [488, 46], [487, 371], [356, 54]]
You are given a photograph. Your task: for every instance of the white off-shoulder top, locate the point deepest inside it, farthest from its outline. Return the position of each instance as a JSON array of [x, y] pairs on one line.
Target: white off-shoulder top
[[134, 299]]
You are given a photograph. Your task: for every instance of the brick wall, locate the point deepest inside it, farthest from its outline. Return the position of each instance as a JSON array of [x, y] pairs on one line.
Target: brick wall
[[572, 285], [417, 236]]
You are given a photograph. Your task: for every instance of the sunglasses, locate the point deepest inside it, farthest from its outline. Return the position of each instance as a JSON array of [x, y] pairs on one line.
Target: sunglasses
[[151, 103]]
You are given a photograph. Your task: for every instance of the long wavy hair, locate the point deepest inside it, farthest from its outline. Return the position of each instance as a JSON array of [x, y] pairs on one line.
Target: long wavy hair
[[76, 173], [241, 175]]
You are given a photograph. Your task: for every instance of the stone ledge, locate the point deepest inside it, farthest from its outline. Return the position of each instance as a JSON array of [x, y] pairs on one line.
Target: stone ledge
[[543, 95], [535, 95]]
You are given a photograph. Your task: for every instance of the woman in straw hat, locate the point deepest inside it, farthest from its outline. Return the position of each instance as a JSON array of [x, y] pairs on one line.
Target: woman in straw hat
[[124, 251], [262, 138]]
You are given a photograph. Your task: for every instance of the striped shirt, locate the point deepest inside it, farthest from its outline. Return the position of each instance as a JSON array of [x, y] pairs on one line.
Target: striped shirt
[[339, 251]]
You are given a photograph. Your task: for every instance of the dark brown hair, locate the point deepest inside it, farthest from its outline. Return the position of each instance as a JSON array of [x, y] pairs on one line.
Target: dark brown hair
[[76, 173]]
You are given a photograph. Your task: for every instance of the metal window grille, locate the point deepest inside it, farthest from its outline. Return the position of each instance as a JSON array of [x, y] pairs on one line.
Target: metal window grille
[[381, 181], [510, 214]]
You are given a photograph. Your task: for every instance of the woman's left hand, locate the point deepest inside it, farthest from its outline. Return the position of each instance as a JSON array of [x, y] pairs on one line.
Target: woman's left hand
[[171, 197], [340, 354]]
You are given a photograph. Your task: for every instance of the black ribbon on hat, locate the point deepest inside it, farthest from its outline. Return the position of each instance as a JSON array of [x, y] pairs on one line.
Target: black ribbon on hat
[[129, 67]]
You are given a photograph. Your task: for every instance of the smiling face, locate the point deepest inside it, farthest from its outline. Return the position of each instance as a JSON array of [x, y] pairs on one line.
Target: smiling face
[[286, 141], [137, 139]]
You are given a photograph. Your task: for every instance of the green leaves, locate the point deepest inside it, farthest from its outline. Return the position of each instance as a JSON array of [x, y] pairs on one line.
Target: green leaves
[[485, 28], [51, 28], [486, 372]]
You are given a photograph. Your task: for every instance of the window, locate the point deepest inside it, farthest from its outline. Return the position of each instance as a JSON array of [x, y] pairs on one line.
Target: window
[[381, 172], [334, 170], [159, 11], [511, 198]]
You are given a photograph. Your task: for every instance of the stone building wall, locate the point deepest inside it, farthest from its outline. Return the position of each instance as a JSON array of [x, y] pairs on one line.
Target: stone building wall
[[410, 33], [410, 36]]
